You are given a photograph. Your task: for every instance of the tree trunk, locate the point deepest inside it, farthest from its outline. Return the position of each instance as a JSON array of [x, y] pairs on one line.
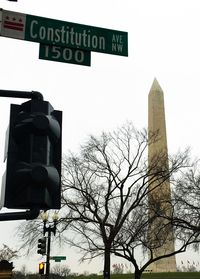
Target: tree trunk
[[106, 272], [137, 274]]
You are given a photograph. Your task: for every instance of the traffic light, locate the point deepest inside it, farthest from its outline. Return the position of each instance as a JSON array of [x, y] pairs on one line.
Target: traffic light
[[33, 173], [42, 246], [41, 268]]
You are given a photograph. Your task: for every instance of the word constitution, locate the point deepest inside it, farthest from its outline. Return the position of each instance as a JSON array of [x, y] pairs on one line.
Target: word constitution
[[67, 36]]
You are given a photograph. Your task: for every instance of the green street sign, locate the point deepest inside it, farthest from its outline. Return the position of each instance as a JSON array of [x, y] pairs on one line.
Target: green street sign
[[58, 258], [62, 33], [65, 54]]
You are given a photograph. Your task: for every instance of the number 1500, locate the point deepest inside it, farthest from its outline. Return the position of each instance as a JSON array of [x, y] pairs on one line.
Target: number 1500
[[64, 54]]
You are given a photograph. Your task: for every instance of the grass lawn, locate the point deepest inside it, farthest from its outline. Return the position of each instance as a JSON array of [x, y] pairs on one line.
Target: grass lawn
[[168, 275], [171, 275]]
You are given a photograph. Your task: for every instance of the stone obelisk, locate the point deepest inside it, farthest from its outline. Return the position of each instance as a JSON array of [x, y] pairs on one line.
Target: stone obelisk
[[160, 196]]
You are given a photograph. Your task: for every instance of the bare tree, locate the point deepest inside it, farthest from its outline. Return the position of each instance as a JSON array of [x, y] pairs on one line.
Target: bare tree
[[134, 237], [106, 199], [186, 199], [61, 270], [29, 232], [106, 186], [6, 253]]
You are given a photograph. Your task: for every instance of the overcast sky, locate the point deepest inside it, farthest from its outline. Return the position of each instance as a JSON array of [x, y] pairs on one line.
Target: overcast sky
[[163, 42]]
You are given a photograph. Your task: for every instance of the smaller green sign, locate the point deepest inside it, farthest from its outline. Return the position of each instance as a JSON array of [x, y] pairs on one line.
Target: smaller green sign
[[65, 54], [58, 258]]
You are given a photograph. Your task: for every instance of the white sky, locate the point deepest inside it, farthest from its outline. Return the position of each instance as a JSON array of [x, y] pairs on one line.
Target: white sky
[[164, 42]]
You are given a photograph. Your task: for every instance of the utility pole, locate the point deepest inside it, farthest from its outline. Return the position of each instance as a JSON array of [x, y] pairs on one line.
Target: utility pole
[[49, 229], [48, 253]]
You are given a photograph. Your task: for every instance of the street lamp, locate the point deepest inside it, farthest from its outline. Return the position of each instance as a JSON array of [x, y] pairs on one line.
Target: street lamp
[[49, 229]]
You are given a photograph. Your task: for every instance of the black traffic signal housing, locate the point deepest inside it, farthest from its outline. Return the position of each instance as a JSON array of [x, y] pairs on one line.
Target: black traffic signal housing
[[42, 246], [41, 268], [33, 173]]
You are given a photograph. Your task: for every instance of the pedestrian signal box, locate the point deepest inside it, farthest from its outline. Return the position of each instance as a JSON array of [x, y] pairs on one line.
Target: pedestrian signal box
[[41, 268]]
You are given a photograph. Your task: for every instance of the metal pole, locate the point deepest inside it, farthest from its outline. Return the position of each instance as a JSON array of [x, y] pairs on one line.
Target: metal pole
[[48, 253], [21, 94], [27, 215], [49, 230]]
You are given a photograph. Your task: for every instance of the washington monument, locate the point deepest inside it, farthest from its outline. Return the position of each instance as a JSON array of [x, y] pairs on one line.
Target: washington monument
[[159, 197]]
